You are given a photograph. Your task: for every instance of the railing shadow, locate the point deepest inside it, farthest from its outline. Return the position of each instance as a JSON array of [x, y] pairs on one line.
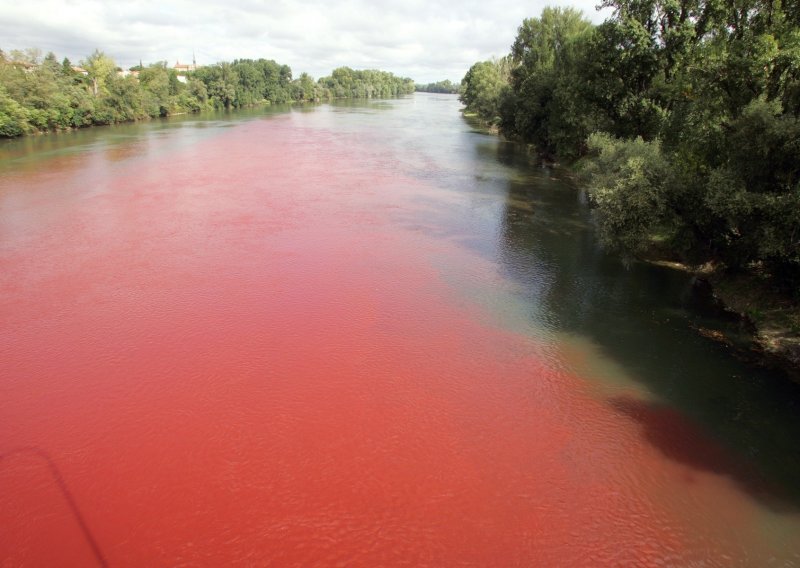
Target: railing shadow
[[68, 496]]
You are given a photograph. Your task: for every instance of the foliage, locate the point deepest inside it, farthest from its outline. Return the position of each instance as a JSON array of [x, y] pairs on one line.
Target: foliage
[[627, 180], [685, 115], [755, 192], [40, 94], [13, 116], [484, 87], [541, 81], [370, 83], [101, 70], [445, 86], [246, 82]]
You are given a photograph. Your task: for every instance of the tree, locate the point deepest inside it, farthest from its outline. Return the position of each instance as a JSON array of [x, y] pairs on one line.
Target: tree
[[100, 68], [685, 115], [13, 116], [483, 87], [627, 182], [445, 86], [540, 106]]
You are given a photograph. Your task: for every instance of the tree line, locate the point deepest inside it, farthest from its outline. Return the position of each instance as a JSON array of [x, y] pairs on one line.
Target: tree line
[[445, 86], [683, 117], [39, 94]]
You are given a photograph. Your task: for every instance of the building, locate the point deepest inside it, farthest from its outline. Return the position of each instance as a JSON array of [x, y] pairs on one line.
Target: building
[[183, 68]]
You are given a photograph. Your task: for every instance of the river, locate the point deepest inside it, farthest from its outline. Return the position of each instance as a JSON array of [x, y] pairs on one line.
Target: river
[[359, 334]]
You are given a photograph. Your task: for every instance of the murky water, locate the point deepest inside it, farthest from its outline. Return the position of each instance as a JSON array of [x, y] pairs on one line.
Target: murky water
[[361, 335]]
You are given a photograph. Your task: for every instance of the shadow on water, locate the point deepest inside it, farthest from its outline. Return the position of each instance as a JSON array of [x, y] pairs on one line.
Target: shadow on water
[[713, 412], [66, 493], [680, 439], [705, 409]]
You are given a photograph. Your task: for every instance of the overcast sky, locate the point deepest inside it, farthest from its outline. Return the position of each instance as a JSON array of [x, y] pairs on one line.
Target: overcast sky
[[427, 40]]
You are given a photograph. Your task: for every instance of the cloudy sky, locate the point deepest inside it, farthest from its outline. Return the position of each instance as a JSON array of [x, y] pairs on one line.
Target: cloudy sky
[[426, 40]]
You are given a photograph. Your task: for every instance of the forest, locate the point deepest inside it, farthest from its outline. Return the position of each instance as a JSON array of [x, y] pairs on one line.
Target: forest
[[445, 86], [40, 94], [682, 117]]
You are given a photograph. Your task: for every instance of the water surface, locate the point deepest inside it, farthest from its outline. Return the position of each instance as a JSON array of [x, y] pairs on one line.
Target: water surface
[[359, 334]]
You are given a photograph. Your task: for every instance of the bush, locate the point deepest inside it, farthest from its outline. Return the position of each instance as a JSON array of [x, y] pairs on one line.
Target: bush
[[627, 183], [13, 116]]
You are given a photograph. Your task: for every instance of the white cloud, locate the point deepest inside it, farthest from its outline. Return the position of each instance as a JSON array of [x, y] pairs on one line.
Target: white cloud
[[425, 40]]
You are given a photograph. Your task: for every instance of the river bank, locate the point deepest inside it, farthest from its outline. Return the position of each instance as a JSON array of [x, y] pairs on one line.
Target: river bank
[[768, 333], [772, 318], [768, 330]]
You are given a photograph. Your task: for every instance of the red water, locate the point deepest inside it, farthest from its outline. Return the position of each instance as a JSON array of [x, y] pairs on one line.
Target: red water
[[243, 350]]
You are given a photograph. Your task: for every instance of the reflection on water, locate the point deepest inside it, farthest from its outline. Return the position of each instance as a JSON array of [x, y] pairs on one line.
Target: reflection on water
[[642, 317]]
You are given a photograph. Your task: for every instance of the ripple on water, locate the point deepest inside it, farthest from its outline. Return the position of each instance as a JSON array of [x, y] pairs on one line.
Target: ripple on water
[[268, 347]]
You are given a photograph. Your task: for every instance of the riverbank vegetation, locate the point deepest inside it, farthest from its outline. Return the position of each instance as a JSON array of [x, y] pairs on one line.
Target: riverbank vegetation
[[683, 117], [446, 86], [39, 94]]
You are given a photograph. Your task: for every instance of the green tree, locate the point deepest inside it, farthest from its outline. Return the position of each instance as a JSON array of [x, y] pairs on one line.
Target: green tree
[[540, 101], [628, 183], [13, 116], [445, 86], [100, 68], [483, 87]]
